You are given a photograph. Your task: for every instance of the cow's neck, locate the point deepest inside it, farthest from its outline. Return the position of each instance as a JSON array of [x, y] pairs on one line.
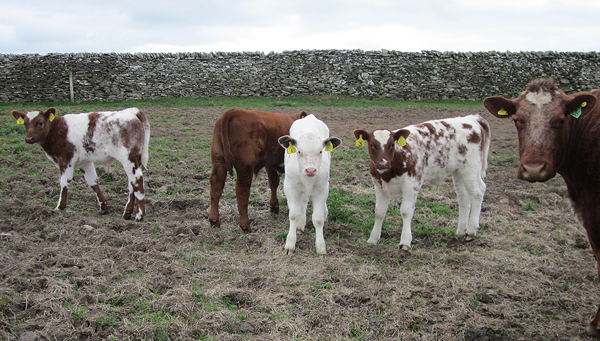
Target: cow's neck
[[56, 138]]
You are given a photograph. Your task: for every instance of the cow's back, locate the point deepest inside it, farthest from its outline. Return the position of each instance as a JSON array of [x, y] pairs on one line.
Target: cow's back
[[249, 137]]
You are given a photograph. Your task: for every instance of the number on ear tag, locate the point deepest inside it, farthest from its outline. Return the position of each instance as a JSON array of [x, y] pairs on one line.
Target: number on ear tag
[[328, 146], [291, 149], [20, 120], [360, 142], [401, 141], [502, 112]]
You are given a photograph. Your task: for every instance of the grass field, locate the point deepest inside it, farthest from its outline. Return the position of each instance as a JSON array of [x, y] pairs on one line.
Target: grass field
[[529, 275]]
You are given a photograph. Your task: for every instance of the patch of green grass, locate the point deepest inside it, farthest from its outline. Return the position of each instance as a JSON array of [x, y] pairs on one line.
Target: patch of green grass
[[158, 317], [229, 304], [77, 310], [356, 333], [109, 320], [528, 205], [203, 337], [323, 286]]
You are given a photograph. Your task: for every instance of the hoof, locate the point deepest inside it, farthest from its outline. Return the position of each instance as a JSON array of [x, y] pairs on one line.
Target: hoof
[[246, 229], [126, 216], [275, 209], [103, 211], [289, 252], [214, 223], [372, 241], [592, 330], [469, 238], [405, 247], [322, 251]]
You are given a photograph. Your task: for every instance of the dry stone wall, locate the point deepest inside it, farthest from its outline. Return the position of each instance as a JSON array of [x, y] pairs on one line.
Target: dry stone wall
[[405, 75]]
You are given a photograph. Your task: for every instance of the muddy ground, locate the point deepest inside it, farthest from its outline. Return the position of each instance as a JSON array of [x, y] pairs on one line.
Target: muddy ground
[[529, 275]]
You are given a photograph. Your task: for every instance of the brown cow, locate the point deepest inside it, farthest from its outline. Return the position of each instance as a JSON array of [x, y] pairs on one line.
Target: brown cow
[[247, 141], [560, 133]]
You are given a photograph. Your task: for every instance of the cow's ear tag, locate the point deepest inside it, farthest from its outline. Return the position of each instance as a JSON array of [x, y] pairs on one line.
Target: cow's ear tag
[[401, 141], [359, 142], [20, 120], [328, 146], [52, 117], [291, 149], [577, 113], [502, 112]]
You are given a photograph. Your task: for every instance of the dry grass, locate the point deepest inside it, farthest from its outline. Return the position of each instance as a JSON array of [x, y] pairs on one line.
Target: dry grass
[[528, 276]]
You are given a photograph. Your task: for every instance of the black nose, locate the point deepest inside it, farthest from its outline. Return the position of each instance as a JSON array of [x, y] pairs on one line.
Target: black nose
[[29, 140]]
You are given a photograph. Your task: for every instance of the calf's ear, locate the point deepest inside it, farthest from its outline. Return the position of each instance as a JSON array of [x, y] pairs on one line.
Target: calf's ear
[[361, 136], [19, 116], [499, 106], [400, 137], [50, 114], [331, 143], [288, 143], [582, 103], [302, 115]]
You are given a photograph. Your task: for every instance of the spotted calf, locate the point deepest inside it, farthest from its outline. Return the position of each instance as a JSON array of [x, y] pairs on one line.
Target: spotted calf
[[402, 160], [78, 140]]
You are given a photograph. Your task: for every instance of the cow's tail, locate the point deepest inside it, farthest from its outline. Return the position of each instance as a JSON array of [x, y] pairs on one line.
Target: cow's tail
[[146, 125], [486, 138], [225, 123]]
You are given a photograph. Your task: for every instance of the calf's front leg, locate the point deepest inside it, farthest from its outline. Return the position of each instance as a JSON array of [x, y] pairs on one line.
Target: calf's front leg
[[382, 201], [66, 176], [297, 215], [89, 172], [318, 218]]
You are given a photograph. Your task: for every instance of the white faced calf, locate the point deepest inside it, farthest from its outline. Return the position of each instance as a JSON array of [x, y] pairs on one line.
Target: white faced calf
[[402, 160], [307, 162], [79, 140]]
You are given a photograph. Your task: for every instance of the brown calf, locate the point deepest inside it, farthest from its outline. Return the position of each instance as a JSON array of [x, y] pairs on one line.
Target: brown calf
[[560, 133], [247, 141]]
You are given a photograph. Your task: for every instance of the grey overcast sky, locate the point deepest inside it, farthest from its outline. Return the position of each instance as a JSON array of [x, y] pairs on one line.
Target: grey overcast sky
[[278, 25]]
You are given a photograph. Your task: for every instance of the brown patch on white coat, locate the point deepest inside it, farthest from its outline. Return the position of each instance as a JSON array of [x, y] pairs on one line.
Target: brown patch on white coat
[[79, 140], [434, 150]]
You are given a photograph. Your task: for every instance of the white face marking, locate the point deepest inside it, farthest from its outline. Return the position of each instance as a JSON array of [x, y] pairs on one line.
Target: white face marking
[[539, 98], [381, 136], [32, 114]]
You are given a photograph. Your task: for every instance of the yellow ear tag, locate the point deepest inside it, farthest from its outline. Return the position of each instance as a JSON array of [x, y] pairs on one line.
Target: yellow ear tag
[[51, 118], [583, 104], [291, 149], [20, 120], [401, 141], [360, 142], [502, 112], [329, 146]]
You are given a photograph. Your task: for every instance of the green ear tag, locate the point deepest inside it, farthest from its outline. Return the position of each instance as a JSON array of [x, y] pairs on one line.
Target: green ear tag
[[51, 118], [576, 113], [20, 120], [360, 142], [401, 141], [291, 149], [502, 112], [329, 146]]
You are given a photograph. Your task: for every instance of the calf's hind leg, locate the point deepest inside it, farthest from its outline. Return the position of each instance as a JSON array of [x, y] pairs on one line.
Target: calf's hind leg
[[89, 172], [217, 182], [135, 185]]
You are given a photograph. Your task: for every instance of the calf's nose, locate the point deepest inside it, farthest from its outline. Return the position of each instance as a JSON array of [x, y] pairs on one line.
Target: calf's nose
[[310, 171], [29, 139]]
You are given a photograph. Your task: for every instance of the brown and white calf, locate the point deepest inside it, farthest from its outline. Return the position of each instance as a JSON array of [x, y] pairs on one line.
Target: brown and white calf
[[78, 140], [403, 160], [247, 141], [560, 133]]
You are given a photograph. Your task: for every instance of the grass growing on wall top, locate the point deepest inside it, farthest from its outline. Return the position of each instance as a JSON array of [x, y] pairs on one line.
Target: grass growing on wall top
[[240, 102]]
